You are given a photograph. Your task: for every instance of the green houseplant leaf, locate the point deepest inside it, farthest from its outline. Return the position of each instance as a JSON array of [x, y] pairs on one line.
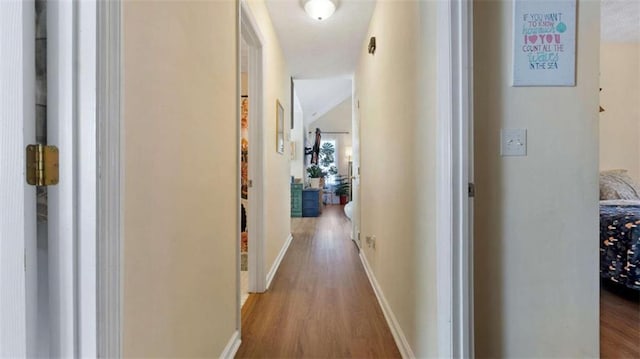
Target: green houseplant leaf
[[342, 186], [314, 171]]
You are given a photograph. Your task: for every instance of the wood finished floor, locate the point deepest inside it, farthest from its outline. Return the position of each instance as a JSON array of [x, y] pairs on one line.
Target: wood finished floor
[[619, 322], [320, 304]]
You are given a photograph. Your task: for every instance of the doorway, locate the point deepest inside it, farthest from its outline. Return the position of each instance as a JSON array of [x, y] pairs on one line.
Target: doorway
[[323, 120], [251, 247], [619, 155], [244, 172]]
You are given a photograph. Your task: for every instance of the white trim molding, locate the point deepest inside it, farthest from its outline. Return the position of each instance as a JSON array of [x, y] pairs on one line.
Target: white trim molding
[[394, 326], [276, 263], [232, 347], [86, 170], [238, 253], [454, 166], [73, 206], [63, 199], [110, 186]]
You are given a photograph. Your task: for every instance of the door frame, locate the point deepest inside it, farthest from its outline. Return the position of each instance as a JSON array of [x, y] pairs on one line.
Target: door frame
[[109, 163], [71, 126], [249, 31], [454, 222]]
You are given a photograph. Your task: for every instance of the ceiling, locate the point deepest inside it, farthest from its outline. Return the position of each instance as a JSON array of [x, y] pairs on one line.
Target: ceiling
[[620, 20], [322, 55], [318, 97], [319, 49]]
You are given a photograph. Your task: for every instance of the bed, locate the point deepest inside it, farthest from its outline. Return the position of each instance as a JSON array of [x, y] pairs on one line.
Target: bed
[[620, 242], [620, 229]]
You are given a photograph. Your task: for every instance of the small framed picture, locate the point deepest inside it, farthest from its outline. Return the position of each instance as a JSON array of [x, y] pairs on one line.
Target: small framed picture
[[544, 43]]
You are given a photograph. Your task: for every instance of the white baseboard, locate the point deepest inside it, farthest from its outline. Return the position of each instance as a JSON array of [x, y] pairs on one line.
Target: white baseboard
[[396, 331], [232, 347], [276, 264]]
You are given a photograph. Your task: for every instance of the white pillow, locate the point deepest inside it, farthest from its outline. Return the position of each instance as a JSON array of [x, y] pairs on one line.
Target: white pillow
[[620, 202], [616, 184], [348, 210]]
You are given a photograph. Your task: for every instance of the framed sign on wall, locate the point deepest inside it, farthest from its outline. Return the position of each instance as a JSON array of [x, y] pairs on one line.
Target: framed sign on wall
[[279, 127], [544, 43]]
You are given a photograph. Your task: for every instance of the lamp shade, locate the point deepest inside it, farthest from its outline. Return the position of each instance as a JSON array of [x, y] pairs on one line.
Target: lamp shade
[[319, 9]]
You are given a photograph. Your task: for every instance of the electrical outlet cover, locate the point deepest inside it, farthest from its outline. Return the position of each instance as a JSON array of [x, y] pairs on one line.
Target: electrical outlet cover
[[513, 142]]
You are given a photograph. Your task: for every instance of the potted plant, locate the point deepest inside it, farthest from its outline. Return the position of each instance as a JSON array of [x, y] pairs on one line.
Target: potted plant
[[315, 174], [342, 189]]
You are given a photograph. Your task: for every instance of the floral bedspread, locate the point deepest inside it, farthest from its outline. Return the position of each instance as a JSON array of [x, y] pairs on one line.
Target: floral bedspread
[[620, 244]]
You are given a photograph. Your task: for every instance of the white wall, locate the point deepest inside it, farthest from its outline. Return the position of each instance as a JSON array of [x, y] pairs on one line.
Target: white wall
[[337, 119], [397, 118], [277, 82], [536, 235], [181, 177], [620, 123]]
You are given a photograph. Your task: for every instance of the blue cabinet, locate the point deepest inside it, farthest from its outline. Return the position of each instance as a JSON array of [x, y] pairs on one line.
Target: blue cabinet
[[311, 202]]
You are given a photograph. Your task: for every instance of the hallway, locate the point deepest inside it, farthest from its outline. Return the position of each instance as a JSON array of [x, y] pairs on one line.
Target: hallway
[[320, 303]]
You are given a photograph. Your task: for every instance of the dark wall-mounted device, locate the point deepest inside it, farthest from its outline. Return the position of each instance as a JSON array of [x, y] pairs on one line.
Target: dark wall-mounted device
[[372, 45]]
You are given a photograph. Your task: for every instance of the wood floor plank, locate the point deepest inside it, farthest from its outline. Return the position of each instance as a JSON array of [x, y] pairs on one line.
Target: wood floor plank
[[619, 322], [320, 304]]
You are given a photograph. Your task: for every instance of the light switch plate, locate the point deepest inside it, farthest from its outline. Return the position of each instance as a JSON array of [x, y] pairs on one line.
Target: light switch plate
[[513, 142]]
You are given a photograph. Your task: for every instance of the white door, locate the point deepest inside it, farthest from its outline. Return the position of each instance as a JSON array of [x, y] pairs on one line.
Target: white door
[[71, 112], [355, 168], [17, 199]]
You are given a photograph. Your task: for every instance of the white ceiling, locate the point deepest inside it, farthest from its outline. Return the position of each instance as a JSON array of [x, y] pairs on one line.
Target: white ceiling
[[318, 97], [319, 49], [322, 55], [620, 20]]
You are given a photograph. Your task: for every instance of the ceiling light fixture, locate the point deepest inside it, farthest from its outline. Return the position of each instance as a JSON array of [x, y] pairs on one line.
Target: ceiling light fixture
[[320, 9]]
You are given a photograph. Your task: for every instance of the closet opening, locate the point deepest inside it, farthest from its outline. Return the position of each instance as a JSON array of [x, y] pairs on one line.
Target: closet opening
[[619, 243]]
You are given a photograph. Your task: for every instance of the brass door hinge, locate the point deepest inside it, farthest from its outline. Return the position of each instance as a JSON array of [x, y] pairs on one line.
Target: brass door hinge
[[42, 165]]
